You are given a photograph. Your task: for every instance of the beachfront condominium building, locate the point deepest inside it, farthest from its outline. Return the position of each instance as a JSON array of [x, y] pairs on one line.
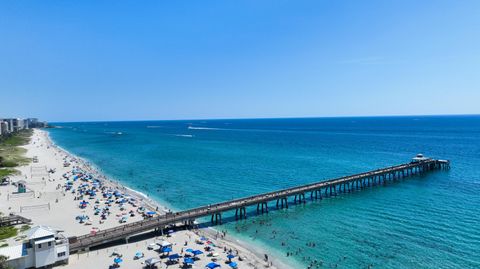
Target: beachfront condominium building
[[35, 123], [43, 247], [32, 122], [9, 124], [3, 127], [15, 124], [18, 124]]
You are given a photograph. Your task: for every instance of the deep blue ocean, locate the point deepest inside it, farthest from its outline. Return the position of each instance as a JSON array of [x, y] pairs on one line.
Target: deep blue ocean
[[430, 221]]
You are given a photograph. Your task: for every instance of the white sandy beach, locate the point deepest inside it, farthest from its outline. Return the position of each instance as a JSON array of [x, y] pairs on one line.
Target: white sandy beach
[[48, 203]]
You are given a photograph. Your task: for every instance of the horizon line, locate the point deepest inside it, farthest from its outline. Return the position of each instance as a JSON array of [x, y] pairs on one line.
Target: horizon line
[[271, 118]]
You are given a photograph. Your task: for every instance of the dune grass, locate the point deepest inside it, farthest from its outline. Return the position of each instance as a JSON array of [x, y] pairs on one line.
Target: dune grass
[[7, 232], [7, 172], [11, 155]]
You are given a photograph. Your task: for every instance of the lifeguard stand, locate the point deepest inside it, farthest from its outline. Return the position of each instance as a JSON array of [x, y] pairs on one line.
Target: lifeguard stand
[[22, 186]]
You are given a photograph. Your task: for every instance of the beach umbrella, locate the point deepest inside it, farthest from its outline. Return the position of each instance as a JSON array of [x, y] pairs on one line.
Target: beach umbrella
[[117, 260], [233, 264], [212, 265], [138, 255], [189, 250], [188, 261], [174, 257], [230, 256], [167, 249], [197, 252]]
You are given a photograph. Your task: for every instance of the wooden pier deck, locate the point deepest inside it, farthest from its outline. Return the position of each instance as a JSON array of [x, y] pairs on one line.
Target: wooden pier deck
[[13, 220], [318, 190]]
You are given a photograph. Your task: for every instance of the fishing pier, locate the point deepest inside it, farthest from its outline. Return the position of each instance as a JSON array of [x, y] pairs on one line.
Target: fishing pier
[[314, 191]]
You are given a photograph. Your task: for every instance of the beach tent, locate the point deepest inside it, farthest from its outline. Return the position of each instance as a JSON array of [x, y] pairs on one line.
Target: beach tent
[[212, 265], [230, 256], [138, 255], [152, 246], [174, 257], [188, 261], [165, 244], [151, 262]]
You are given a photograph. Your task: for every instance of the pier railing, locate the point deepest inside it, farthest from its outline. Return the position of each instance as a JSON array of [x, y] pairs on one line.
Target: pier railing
[[329, 187], [13, 220]]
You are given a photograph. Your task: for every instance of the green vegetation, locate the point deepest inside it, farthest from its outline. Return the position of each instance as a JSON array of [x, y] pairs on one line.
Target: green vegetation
[[3, 263], [24, 228], [6, 172], [11, 155], [7, 232], [3, 244]]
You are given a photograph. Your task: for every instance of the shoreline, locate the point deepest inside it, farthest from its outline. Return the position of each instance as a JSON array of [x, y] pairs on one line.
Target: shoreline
[[97, 171], [256, 258]]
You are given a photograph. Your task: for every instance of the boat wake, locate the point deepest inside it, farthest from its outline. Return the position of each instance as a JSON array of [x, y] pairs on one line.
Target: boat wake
[[184, 135], [202, 128]]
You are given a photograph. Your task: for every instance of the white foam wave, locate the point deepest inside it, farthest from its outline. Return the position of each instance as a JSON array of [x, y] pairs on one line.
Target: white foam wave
[[184, 135], [114, 133], [202, 128]]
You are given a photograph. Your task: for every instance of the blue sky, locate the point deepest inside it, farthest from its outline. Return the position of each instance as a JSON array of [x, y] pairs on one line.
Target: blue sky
[[131, 60]]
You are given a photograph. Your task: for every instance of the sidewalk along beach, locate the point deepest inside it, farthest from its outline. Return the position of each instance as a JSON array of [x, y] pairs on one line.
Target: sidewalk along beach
[[70, 195]]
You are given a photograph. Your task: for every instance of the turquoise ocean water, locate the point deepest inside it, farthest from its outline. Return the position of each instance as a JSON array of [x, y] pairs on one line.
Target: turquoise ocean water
[[431, 221]]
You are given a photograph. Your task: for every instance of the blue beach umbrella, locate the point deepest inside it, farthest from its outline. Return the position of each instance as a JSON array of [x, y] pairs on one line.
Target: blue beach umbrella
[[189, 250], [230, 256], [212, 265], [166, 250], [197, 252], [233, 264], [188, 261], [117, 260], [174, 257]]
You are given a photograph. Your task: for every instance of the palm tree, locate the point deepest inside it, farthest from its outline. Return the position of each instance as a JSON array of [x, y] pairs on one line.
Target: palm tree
[[3, 263]]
